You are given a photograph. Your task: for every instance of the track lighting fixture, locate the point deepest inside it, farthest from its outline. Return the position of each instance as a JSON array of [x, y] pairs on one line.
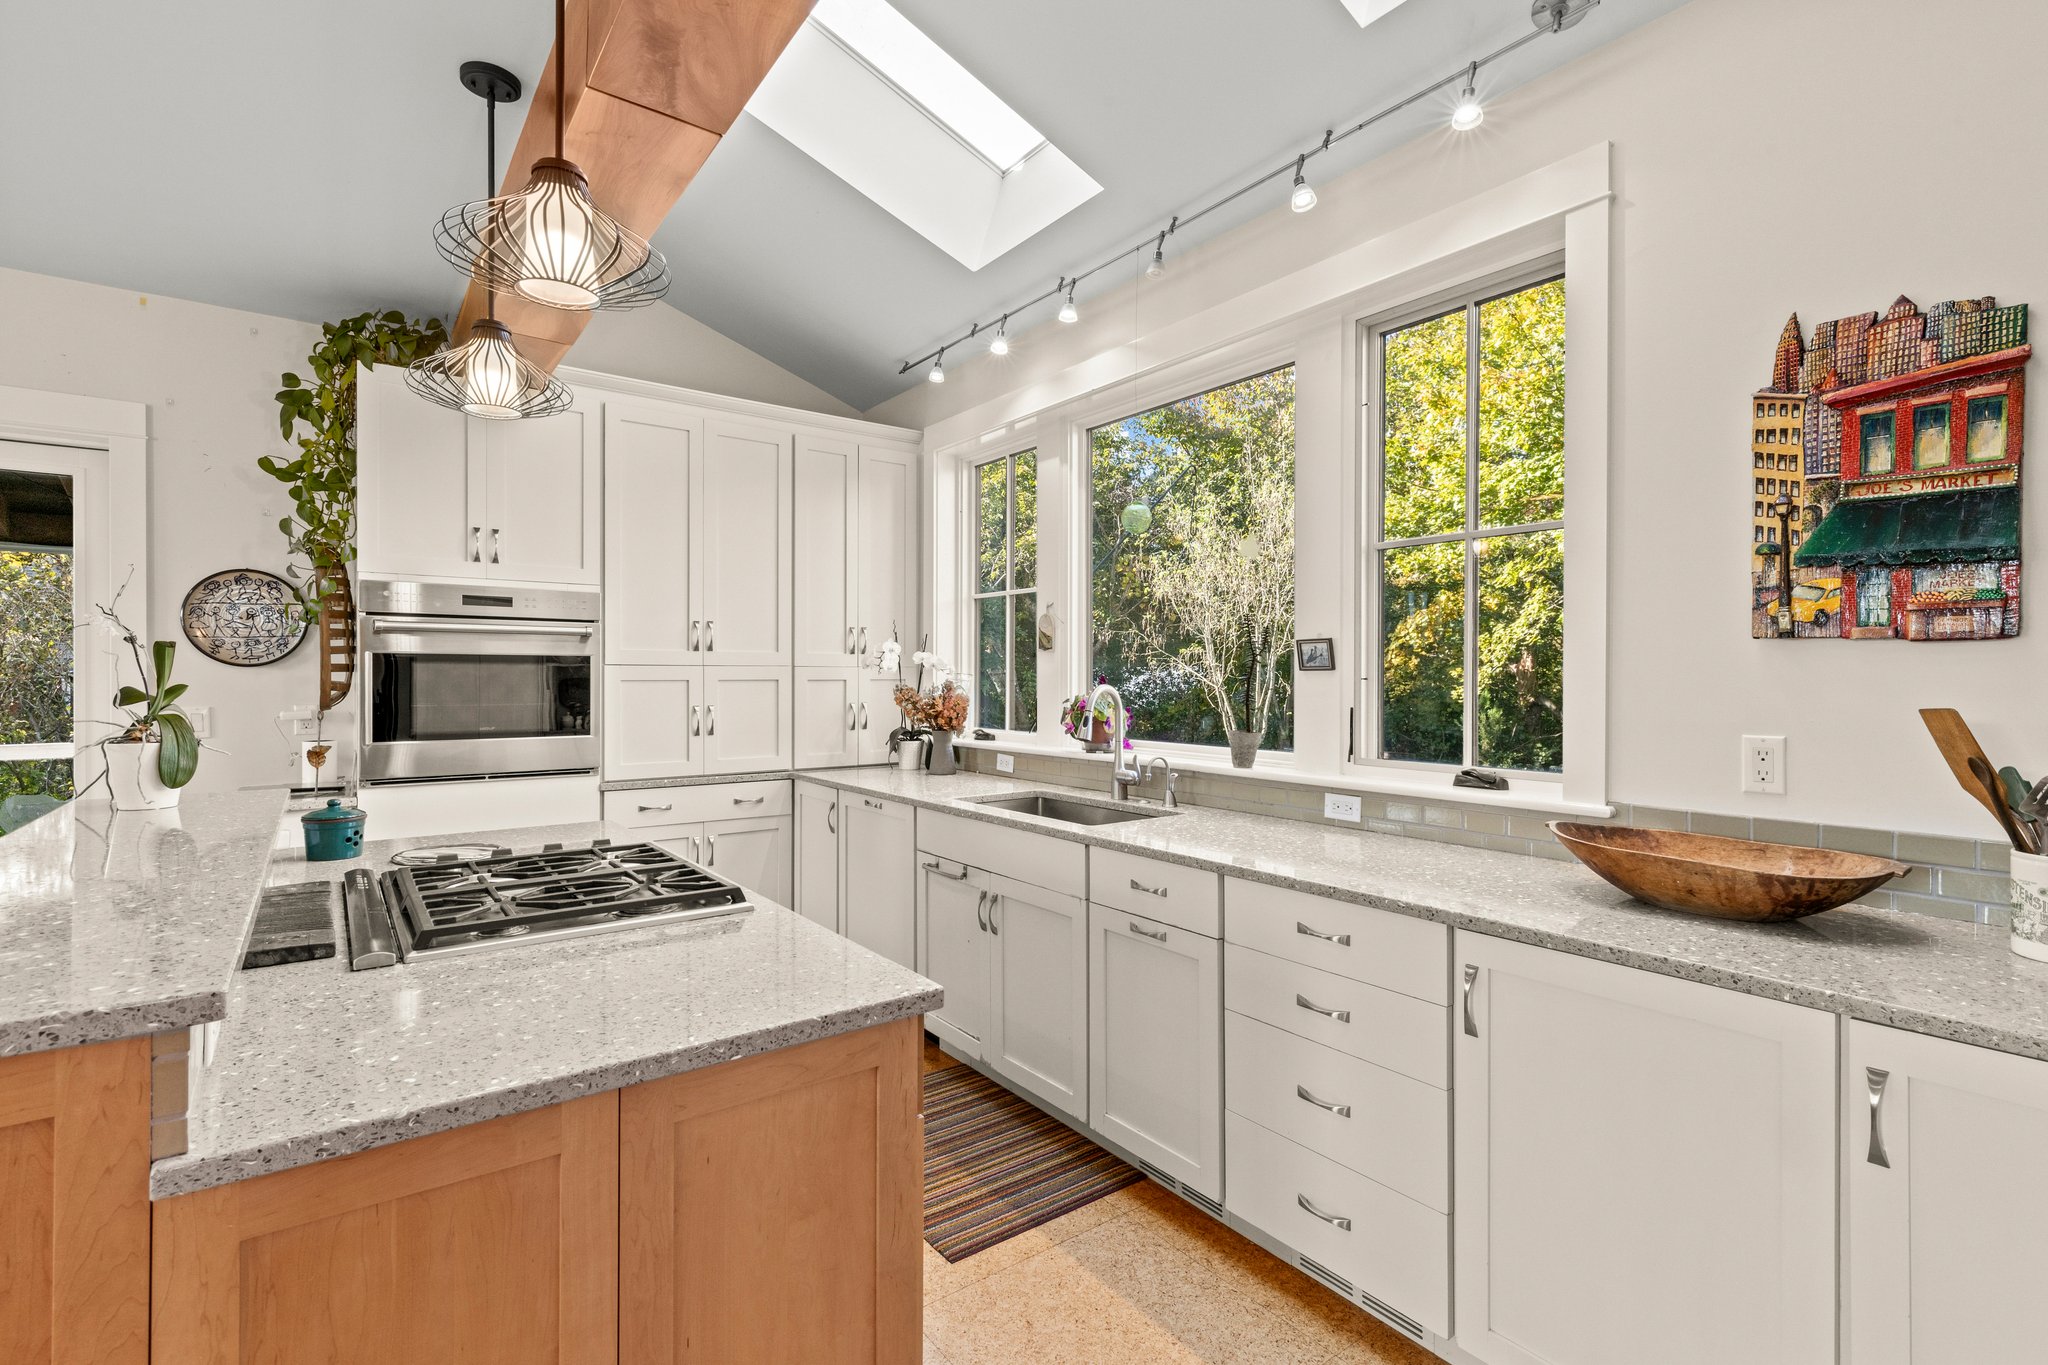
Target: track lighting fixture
[[1000, 344], [1469, 113], [1157, 265], [1304, 197], [938, 374], [1069, 313]]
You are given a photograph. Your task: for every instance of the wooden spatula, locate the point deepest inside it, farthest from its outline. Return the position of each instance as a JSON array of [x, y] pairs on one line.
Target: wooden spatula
[[1959, 746]]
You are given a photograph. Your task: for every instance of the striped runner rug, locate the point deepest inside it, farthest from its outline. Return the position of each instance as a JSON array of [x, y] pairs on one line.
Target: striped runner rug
[[995, 1165]]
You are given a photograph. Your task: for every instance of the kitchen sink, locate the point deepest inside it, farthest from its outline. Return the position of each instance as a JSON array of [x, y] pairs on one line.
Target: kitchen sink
[[1071, 812]]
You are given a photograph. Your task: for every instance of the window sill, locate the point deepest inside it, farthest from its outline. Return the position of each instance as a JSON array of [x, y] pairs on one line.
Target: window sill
[[1542, 797]]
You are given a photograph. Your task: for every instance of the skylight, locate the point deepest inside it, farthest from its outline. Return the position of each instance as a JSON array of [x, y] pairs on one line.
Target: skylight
[[898, 51], [1364, 11]]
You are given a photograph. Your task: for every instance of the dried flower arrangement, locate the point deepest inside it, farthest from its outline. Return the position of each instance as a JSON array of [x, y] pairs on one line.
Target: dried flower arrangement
[[937, 702]]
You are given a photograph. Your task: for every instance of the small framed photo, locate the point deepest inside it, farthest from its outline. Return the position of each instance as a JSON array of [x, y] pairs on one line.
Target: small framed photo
[[1315, 656]]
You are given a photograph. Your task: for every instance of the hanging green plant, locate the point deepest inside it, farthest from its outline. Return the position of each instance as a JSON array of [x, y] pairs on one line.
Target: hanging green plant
[[322, 476]]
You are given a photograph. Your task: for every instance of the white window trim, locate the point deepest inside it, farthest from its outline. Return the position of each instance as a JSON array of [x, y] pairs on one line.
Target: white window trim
[[967, 663], [110, 439], [1565, 205]]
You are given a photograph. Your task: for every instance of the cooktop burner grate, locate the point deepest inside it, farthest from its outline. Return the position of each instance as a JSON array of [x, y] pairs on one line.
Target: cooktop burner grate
[[512, 894]]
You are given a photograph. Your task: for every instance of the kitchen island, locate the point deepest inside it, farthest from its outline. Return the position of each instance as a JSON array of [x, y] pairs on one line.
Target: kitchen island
[[695, 1141]]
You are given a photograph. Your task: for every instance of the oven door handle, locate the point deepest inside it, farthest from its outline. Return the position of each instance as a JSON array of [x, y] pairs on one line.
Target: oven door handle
[[383, 625]]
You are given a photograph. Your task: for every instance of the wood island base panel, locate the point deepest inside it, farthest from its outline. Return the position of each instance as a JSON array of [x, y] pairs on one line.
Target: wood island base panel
[[763, 1210]]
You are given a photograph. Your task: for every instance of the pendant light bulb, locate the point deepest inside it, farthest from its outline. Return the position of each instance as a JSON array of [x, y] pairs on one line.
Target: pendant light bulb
[[1469, 113], [1157, 265], [938, 374], [1069, 313], [1304, 197], [1000, 344], [487, 377]]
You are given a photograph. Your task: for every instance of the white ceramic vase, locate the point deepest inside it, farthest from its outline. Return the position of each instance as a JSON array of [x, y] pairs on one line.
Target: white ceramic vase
[[133, 781], [2030, 906]]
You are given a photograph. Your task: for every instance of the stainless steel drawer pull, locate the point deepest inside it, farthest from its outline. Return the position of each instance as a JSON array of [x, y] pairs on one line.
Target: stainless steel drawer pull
[[1471, 1019], [1875, 1080], [1342, 1111], [1341, 1224], [710, 720], [863, 641], [748, 800], [1159, 934], [710, 639], [1158, 891], [711, 841], [980, 905], [696, 628], [995, 903], [1341, 1016], [850, 725], [871, 805], [832, 817], [696, 720], [476, 544], [670, 806], [497, 537], [1341, 940], [959, 876], [863, 715]]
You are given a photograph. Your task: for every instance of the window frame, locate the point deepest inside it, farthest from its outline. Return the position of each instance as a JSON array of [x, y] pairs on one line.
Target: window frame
[[1371, 541], [974, 595]]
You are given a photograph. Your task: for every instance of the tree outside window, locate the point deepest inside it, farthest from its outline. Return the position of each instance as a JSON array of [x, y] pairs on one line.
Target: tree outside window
[[1469, 554], [1006, 592], [1192, 563]]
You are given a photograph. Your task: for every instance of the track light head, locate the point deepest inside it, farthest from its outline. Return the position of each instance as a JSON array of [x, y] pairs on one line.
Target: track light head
[[1304, 197], [1156, 267], [1000, 344], [1069, 313], [938, 374], [1469, 113]]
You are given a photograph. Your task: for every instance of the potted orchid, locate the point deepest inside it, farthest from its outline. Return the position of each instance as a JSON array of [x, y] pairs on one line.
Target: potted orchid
[[1093, 726], [936, 706]]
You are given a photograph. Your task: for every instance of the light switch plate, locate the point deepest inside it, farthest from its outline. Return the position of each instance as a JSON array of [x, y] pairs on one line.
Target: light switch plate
[[1337, 807], [202, 721], [1763, 764], [1006, 763]]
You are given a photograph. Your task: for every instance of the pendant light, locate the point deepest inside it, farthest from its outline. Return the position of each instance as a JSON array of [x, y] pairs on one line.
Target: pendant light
[[486, 376], [549, 242]]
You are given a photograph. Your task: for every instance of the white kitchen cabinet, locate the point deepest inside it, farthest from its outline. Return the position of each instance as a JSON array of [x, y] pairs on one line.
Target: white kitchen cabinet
[[954, 949], [827, 719], [877, 883], [652, 722], [653, 477], [885, 547], [1155, 1044], [746, 719], [413, 480], [741, 543], [815, 872], [1645, 1167], [1038, 996], [753, 851], [444, 496], [541, 498], [827, 571], [875, 694], [1948, 1201]]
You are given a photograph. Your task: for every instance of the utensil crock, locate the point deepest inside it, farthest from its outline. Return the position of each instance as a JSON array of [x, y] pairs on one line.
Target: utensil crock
[[2030, 905]]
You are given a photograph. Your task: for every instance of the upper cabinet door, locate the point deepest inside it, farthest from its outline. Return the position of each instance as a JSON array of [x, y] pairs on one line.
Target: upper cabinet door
[[827, 717], [653, 722], [746, 719], [416, 483], [543, 515], [1946, 1189], [885, 544], [827, 469], [653, 477], [743, 540]]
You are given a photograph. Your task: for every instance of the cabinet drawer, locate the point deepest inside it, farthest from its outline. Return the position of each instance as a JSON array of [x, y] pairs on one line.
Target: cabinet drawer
[[1186, 897], [647, 806], [1396, 1250], [1039, 859], [1399, 952], [1397, 1130], [1393, 1030]]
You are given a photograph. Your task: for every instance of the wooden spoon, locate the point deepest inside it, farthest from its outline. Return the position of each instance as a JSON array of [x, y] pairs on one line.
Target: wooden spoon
[[1959, 747], [2021, 839]]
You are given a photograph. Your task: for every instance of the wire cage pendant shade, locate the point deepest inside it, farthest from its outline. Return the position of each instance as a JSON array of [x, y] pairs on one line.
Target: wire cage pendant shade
[[551, 244], [487, 377]]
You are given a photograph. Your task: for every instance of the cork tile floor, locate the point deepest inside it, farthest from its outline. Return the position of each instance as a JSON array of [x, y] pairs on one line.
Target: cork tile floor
[[1139, 1276]]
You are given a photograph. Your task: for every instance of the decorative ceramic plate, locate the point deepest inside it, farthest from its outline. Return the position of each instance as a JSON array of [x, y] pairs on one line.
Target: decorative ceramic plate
[[244, 617]]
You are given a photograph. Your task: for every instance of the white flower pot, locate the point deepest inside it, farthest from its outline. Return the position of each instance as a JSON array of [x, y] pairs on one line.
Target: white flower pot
[[2030, 906], [133, 781]]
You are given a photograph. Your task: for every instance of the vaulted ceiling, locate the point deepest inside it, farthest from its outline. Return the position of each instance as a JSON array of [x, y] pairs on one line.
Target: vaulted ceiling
[[292, 159]]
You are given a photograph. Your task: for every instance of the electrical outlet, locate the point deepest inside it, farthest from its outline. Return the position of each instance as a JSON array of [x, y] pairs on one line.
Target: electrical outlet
[[1337, 807], [1763, 764], [202, 721], [300, 723], [1006, 763]]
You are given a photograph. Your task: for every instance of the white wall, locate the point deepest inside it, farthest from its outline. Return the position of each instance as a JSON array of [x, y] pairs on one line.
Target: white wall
[[208, 375], [1770, 157]]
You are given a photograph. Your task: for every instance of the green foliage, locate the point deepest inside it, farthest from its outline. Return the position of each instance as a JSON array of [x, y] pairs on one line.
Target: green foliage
[[322, 476], [152, 708], [35, 679], [1193, 612], [1519, 634]]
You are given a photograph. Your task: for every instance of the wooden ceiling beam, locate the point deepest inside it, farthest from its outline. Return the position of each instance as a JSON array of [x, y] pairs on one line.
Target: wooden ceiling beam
[[649, 88]]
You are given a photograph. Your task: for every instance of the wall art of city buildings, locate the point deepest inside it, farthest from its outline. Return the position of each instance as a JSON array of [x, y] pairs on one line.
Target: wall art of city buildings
[[1885, 454]]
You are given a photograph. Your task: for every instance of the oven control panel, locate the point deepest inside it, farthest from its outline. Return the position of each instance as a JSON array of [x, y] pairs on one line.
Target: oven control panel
[[412, 597]]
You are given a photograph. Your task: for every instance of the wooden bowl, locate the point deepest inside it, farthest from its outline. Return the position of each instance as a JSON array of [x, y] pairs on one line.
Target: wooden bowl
[[1704, 874]]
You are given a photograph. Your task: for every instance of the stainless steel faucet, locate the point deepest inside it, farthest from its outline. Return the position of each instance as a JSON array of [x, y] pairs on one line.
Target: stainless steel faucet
[[1172, 778], [1121, 779]]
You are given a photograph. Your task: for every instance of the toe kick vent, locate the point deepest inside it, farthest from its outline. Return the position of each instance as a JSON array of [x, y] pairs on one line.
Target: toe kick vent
[[1192, 1195], [1328, 1277], [1394, 1318]]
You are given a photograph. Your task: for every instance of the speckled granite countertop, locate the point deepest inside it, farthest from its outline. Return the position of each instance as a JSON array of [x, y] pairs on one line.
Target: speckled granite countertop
[[315, 1061], [635, 784], [1934, 976], [114, 924]]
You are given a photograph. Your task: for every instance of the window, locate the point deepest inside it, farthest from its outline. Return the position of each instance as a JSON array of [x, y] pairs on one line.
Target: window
[[1930, 436], [38, 603], [1987, 429], [1006, 592], [1467, 560], [1191, 563], [1879, 454]]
